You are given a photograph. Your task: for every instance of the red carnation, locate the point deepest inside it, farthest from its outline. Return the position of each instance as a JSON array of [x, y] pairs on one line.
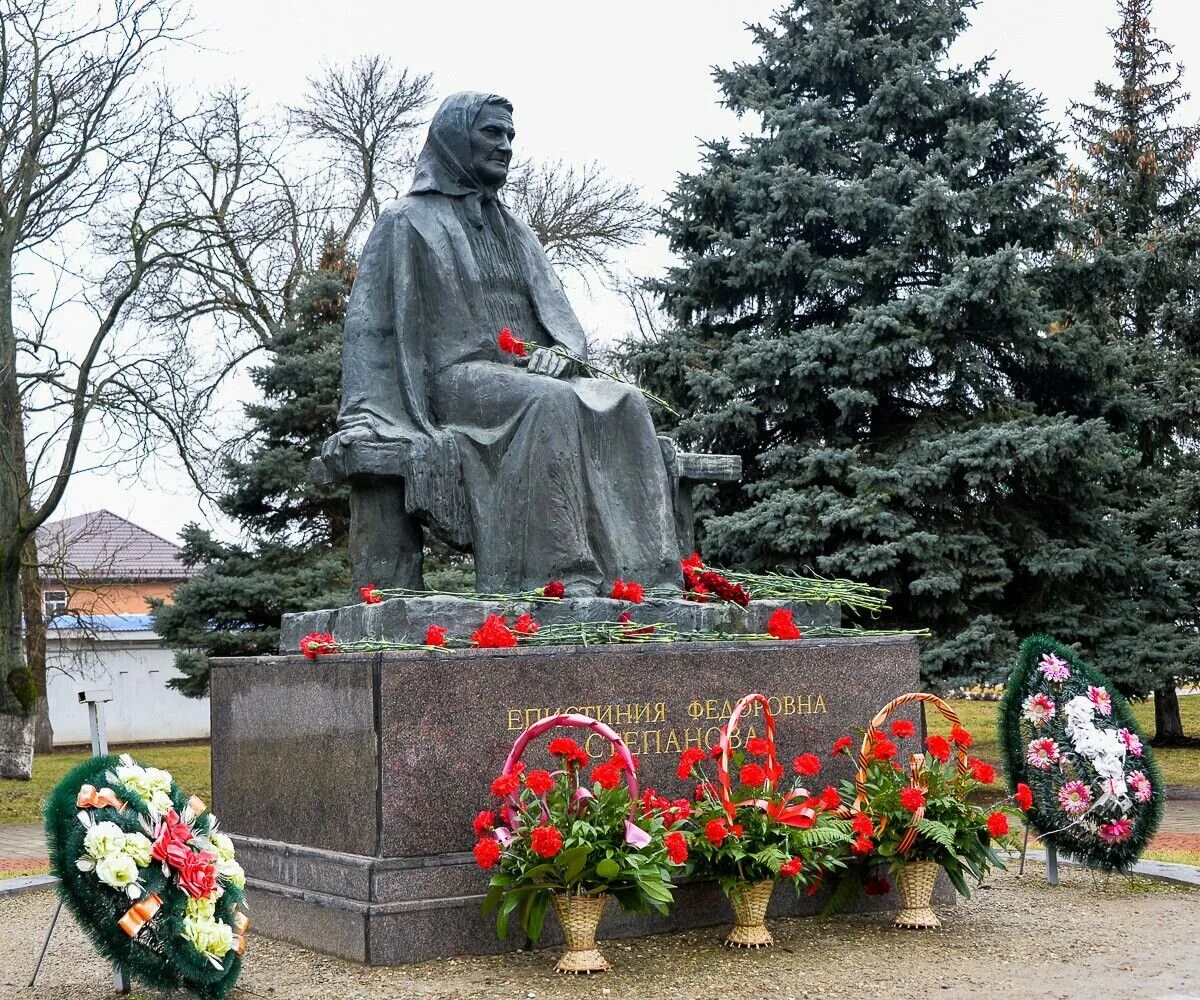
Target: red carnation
[[912, 798], [939, 747], [545, 841], [628, 590], [902, 729], [791, 868], [607, 775], [539, 782], [526, 625], [757, 746], [862, 846], [840, 745], [554, 588], [883, 749], [676, 845], [862, 825], [435, 635], [509, 344], [493, 634], [753, 775], [997, 824], [487, 853], [1024, 796], [960, 736], [698, 593], [370, 594], [807, 764], [563, 746], [506, 784], [317, 644], [715, 751], [484, 821], [716, 831], [782, 625], [983, 772], [830, 798], [877, 886], [688, 760], [705, 790]]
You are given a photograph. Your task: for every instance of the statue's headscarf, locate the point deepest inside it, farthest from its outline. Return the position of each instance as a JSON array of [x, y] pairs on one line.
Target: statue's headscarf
[[444, 165]]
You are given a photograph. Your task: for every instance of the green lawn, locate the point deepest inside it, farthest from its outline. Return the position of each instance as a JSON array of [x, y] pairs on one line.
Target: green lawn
[[1179, 767], [21, 801]]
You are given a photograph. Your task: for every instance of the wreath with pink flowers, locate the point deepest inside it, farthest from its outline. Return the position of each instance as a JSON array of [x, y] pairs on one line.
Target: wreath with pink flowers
[[149, 875], [1069, 735]]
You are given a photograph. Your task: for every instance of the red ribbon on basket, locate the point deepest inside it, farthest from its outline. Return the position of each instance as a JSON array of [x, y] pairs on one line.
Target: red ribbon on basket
[[789, 815]]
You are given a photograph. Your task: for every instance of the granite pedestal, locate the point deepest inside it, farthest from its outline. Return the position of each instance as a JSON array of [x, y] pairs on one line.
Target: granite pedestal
[[349, 783]]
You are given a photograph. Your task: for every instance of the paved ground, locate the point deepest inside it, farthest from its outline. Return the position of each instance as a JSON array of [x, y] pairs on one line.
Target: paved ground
[[22, 847], [1091, 937]]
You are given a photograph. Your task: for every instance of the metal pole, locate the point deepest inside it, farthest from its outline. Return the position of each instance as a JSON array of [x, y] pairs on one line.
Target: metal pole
[[45, 944], [1051, 865], [1024, 851], [95, 702]]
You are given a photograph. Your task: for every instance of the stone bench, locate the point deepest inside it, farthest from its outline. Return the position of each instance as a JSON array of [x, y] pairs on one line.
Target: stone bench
[[387, 542]]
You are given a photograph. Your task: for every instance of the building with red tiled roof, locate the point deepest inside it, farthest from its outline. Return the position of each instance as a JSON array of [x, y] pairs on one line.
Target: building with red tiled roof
[[101, 564]]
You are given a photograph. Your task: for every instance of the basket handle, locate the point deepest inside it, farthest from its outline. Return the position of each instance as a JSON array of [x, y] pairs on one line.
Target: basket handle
[[916, 764], [723, 786], [573, 720]]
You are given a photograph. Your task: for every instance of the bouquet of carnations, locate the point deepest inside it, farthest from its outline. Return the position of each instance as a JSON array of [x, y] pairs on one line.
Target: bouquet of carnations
[[749, 832], [573, 836], [927, 815]]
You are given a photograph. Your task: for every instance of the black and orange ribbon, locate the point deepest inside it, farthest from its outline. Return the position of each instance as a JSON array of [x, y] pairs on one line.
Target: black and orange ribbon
[[137, 915], [91, 798]]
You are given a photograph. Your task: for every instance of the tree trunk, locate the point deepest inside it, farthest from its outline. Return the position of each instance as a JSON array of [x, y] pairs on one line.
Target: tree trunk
[[1168, 725], [35, 641]]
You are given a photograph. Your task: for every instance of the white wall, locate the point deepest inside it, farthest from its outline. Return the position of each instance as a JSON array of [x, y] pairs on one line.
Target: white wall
[[136, 667]]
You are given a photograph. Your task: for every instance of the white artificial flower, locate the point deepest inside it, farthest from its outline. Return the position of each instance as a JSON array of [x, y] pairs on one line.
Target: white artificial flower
[[138, 847], [212, 938], [104, 839], [232, 873], [204, 908], [222, 844], [1079, 711], [160, 803], [117, 870]]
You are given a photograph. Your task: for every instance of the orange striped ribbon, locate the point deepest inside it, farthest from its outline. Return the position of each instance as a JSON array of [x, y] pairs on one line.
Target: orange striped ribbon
[[196, 805], [136, 916], [90, 798], [241, 924], [723, 786]]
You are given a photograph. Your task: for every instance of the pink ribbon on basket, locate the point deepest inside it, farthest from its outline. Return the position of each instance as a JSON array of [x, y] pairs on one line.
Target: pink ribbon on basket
[[573, 720]]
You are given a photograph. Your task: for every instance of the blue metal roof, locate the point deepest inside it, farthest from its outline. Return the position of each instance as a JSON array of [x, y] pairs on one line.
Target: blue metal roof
[[103, 623]]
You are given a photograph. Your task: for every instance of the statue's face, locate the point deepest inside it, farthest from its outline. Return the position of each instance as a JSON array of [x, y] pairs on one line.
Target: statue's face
[[491, 144]]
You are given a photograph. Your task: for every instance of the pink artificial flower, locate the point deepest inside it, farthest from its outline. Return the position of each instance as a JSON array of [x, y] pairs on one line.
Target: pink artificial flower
[[1133, 743], [1042, 754], [1100, 697], [1116, 831], [1054, 667], [1075, 797], [1039, 709], [1143, 791], [635, 836]]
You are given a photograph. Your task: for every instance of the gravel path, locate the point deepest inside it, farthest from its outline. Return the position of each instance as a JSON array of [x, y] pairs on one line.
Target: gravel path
[[1090, 937]]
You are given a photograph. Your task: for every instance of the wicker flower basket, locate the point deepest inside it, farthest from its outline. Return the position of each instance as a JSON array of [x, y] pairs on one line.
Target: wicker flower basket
[[580, 916], [914, 881], [749, 901]]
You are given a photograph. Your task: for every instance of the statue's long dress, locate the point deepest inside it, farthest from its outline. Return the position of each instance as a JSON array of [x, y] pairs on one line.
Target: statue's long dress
[[564, 477]]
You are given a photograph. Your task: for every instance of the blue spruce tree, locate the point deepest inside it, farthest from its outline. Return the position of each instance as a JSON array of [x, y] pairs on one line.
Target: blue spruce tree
[[870, 309]]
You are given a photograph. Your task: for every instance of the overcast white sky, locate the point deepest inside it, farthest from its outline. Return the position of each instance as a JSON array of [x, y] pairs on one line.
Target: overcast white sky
[[626, 83]]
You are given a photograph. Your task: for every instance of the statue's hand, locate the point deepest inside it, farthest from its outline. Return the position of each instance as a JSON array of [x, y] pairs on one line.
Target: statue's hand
[[343, 440], [544, 362]]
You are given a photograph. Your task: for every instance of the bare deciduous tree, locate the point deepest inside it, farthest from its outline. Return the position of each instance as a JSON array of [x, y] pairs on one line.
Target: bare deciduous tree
[[366, 114], [86, 154], [580, 214]]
